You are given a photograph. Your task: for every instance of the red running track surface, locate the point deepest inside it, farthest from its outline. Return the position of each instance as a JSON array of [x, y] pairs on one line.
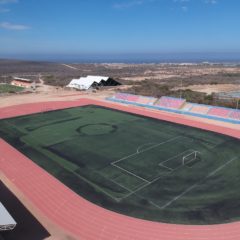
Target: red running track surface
[[84, 219]]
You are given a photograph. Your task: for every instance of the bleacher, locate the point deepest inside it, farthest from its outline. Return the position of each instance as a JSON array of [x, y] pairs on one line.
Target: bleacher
[[133, 99], [147, 100], [235, 114], [121, 96], [180, 106], [200, 109], [170, 102], [219, 112], [143, 100]]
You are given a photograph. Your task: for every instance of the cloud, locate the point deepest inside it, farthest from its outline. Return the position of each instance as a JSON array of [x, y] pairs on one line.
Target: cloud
[[132, 3], [10, 26]]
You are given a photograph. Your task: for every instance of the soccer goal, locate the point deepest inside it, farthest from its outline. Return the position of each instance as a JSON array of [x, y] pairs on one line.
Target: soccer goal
[[191, 157]]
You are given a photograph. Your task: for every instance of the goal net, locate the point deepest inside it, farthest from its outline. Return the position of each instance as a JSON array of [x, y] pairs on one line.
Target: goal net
[[191, 157]]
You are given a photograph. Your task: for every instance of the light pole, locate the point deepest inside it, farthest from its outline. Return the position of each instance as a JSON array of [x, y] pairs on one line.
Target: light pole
[[181, 89]]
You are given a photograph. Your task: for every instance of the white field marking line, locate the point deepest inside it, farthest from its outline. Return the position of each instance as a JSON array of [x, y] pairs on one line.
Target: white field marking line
[[198, 183], [168, 168], [150, 143], [155, 205], [191, 161], [154, 146], [115, 182], [130, 191], [194, 151], [179, 154], [150, 182], [111, 180], [143, 186], [143, 179], [97, 187], [214, 146], [154, 180], [119, 184], [134, 192], [147, 149], [184, 157]]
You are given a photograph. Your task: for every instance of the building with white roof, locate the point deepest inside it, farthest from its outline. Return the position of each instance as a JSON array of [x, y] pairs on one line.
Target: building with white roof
[[6, 220], [85, 83]]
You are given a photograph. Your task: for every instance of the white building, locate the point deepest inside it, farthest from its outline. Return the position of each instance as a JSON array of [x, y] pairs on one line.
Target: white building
[[85, 83], [6, 220]]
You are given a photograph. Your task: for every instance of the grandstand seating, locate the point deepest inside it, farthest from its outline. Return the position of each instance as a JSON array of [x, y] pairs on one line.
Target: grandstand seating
[[200, 109], [121, 96], [124, 97], [219, 112], [179, 105], [235, 114], [142, 100], [170, 102], [132, 98]]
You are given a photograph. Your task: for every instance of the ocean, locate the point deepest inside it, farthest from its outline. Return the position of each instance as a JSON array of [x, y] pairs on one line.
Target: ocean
[[137, 58]]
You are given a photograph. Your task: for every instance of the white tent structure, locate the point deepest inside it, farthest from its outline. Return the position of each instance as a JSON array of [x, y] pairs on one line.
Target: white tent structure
[[6, 220], [85, 83]]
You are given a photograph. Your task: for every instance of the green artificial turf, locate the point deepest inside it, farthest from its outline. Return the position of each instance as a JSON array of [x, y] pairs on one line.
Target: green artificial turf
[[7, 88], [134, 165]]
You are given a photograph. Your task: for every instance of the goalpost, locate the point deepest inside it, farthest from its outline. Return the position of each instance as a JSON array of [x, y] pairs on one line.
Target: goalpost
[[194, 155]]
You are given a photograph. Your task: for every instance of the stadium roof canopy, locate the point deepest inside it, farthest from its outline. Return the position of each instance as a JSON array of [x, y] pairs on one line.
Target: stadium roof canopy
[[85, 83], [22, 79], [6, 220]]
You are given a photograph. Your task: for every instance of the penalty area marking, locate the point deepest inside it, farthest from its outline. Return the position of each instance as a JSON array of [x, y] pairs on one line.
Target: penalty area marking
[[145, 150], [146, 144], [139, 152], [143, 179], [171, 158], [124, 170]]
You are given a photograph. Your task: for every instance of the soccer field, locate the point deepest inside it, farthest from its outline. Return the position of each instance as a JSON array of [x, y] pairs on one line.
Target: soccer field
[[138, 166]]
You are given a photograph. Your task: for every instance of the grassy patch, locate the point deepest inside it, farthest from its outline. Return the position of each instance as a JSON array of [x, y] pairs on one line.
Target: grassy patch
[[7, 88]]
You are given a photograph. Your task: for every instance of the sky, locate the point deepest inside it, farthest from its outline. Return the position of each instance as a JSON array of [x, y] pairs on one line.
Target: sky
[[95, 27]]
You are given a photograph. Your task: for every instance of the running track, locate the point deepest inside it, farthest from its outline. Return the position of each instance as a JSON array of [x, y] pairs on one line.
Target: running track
[[82, 218]]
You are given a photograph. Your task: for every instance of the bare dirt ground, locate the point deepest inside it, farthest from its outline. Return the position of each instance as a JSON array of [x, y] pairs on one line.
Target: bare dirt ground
[[161, 71], [212, 88], [60, 73]]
